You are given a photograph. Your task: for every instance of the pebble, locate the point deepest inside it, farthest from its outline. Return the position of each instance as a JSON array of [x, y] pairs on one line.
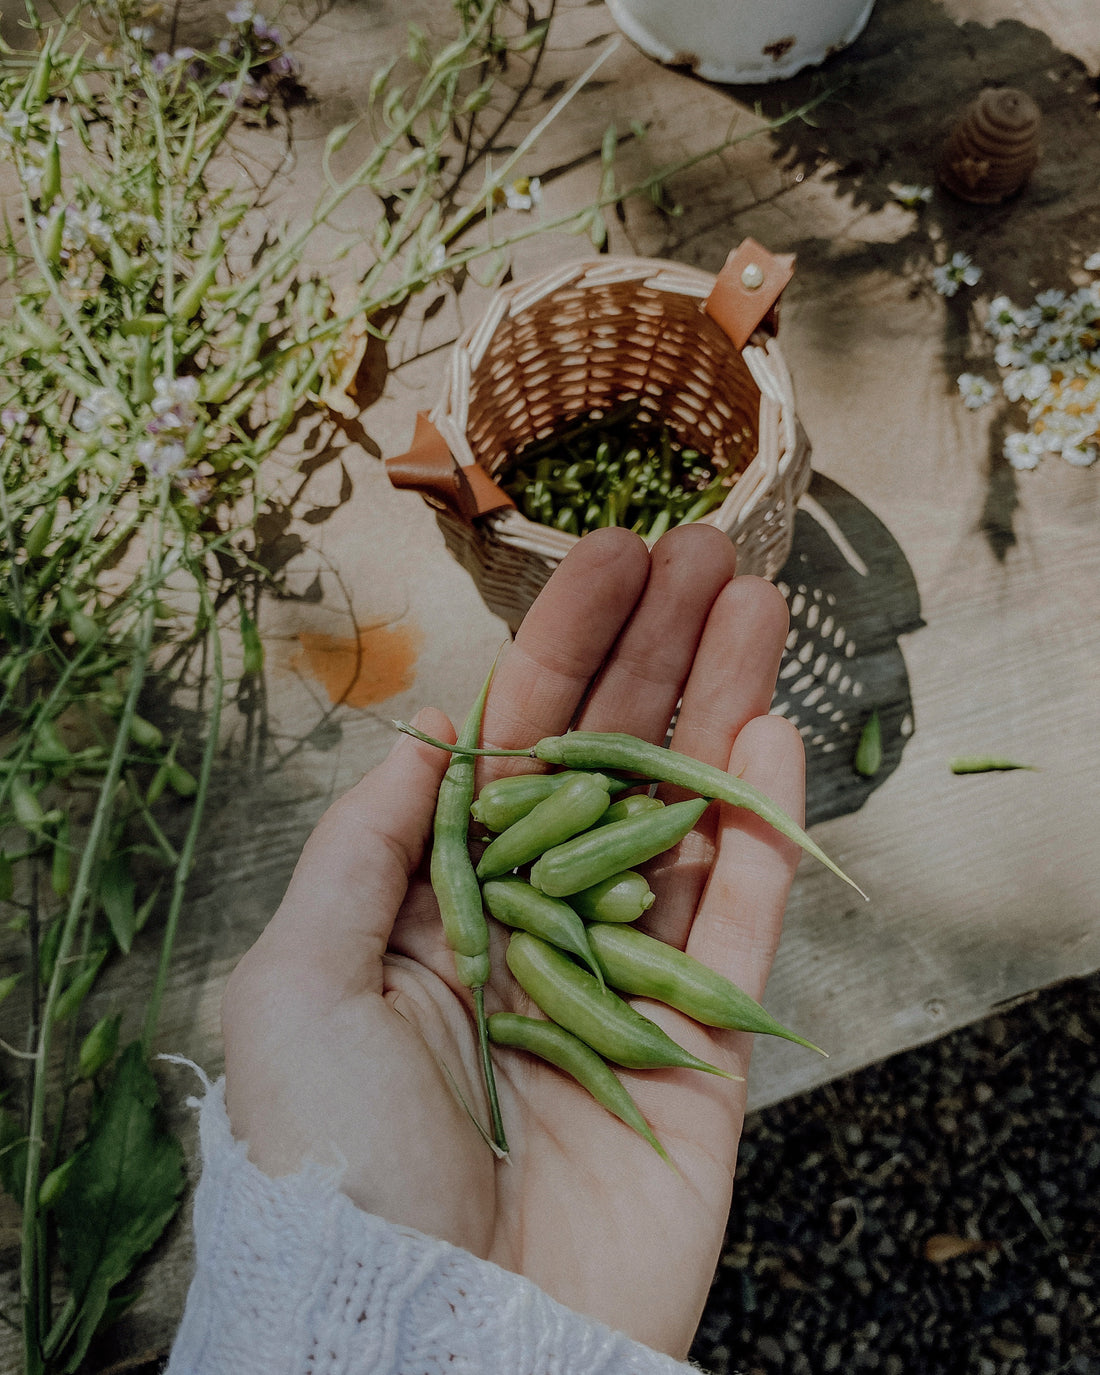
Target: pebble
[[985, 1135]]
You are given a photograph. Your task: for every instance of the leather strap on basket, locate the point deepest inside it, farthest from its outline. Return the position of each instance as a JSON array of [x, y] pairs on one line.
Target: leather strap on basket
[[745, 296], [428, 467]]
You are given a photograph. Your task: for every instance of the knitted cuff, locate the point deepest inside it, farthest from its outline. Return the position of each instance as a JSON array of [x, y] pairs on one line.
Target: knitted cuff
[[291, 1278]]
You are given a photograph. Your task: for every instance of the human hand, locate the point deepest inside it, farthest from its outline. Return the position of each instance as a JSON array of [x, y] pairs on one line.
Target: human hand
[[345, 1020]]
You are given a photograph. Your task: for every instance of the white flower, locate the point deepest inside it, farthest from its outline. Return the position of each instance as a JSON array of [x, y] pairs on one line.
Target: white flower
[[99, 409], [13, 418], [1004, 320], [523, 194], [1007, 354], [177, 394], [162, 456], [1092, 263], [1023, 450], [957, 271], [242, 12], [1028, 384], [143, 34], [975, 391], [1080, 455], [1049, 304]]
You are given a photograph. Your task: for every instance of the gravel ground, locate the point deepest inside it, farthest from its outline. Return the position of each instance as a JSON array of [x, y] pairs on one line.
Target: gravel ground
[[938, 1214]]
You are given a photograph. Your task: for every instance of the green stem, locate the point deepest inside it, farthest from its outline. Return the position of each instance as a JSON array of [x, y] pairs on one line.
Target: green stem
[[198, 807], [488, 1073], [34, 1305]]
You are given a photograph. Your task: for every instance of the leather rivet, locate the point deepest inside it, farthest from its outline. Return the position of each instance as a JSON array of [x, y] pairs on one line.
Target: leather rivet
[[752, 277]]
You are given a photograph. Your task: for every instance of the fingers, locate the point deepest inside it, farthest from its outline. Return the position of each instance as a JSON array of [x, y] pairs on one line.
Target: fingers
[[734, 674], [731, 683], [565, 637], [639, 687], [354, 871], [740, 916]]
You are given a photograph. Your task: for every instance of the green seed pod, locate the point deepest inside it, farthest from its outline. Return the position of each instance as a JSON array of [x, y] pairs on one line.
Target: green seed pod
[[868, 758], [53, 235], [251, 645], [182, 782], [144, 734], [39, 89], [50, 187], [646, 967], [141, 377], [55, 1183], [622, 897], [194, 292], [76, 992], [569, 809], [506, 800], [472, 970], [452, 873], [84, 629], [597, 854], [61, 861], [123, 268], [26, 806], [38, 536], [566, 1052], [99, 1046], [633, 805], [573, 998], [49, 748], [517, 905]]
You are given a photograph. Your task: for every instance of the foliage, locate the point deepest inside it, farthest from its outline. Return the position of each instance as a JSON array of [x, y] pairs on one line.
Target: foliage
[[152, 358], [160, 339]]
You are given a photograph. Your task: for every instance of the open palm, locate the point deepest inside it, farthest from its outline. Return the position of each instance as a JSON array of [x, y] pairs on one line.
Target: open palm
[[348, 1039]]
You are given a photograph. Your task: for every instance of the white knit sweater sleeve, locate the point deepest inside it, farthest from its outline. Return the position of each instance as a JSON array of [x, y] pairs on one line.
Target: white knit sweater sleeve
[[291, 1278]]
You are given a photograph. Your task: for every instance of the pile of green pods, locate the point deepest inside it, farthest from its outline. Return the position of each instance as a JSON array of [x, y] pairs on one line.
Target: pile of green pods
[[613, 469]]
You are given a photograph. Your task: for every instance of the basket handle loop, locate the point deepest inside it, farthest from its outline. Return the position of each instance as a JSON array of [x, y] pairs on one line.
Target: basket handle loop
[[746, 293], [429, 467]]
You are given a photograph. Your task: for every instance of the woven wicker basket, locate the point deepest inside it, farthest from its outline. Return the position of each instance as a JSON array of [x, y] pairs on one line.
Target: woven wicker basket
[[583, 339]]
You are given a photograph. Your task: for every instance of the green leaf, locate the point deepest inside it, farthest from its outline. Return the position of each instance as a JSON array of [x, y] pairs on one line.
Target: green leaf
[[116, 893], [124, 1188], [13, 1155], [868, 759]]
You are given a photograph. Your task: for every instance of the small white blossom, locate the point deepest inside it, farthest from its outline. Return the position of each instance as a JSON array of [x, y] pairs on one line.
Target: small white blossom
[[1004, 320], [1092, 263], [162, 456], [100, 409], [957, 271], [176, 394], [242, 12], [1008, 354], [12, 419], [1080, 455], [523, 194], [1023, 450], [975, 391]]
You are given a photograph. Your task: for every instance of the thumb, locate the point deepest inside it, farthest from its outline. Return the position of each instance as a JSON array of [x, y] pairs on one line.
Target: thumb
[[335, 921]]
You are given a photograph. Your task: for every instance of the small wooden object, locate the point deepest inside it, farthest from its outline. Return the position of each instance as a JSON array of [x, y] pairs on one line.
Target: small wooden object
[[993, 149]]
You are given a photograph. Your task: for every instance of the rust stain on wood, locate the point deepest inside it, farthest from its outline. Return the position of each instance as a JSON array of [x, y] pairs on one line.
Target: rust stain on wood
[[361, 670]]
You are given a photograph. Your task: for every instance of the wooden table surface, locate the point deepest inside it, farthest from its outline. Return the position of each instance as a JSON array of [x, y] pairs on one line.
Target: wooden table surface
[[928, 578]]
